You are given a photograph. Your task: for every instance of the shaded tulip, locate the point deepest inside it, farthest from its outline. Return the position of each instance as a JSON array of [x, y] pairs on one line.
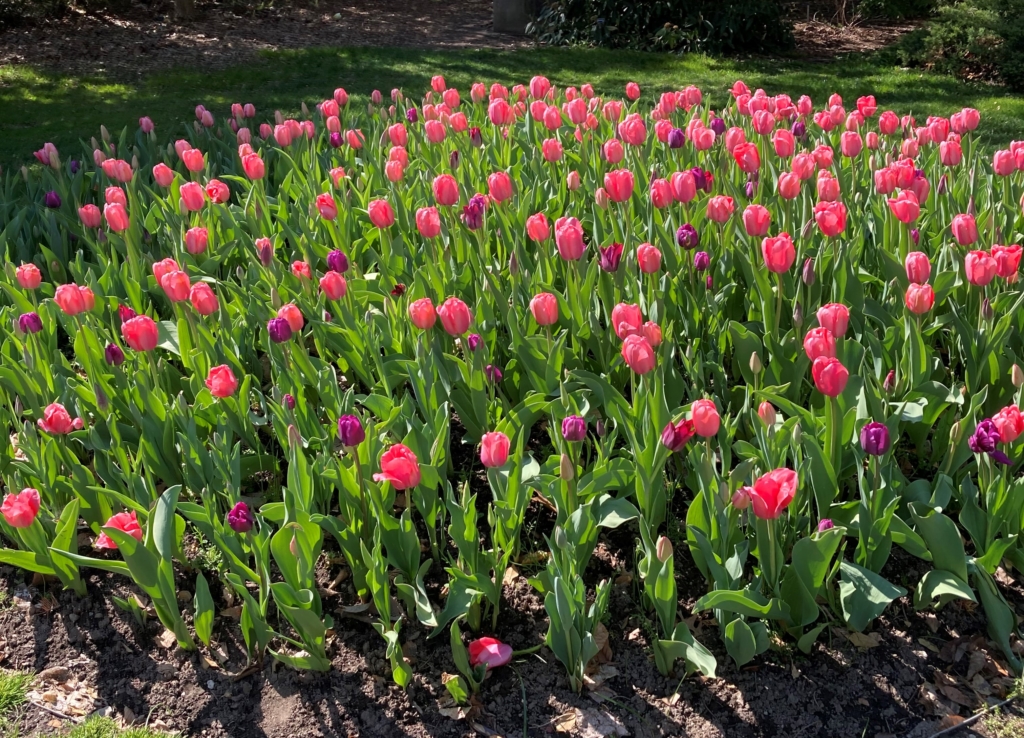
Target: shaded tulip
[[675, 436], [835, 317], [196, 240], [221, 381], [29, 277], [610, 257], [766, 412]]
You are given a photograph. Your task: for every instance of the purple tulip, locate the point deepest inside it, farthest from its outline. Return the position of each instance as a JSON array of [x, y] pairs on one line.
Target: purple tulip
[[240, 518], [266, 253], [701, 261], [337, 261], [473, 213], [51, 200], [113, 354], [709, 283], [717, 125], [700, 179], [874, 438], [336, 140], [473, 341], [350, 430], [279, 330], [288, 401], [825, 524], [30, 323], [676, 138], [799, 129], [75, 166], [687, 236], [125, 313], [574, 428], [412, 115], [675, 436], [985, 440], [611, 257], [475, 137], [808, 272], [492, 373], [453, 159]]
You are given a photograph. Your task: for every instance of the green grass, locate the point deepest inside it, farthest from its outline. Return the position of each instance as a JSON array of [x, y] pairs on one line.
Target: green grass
[[13, 688], [100, 727], [38, 106]]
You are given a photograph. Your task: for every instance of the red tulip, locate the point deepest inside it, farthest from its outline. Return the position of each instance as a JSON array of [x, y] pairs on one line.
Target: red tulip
[[819, 342], [779, 253], [217, 191], [918, 267], [140, 333], [221, 381], [124, 522], [544, 307], [638, 354], [965, 230], [747, 157], [756, 220], [619, 185], [772, 493], [980, 268], [57, 421], [830, 376], [835, 317], [919, 298], [1007, 260], [905, 206], [422, 313], [19, 510], [626, 320], [648, 258], [706, 420], [399, 466], [381, 214], [494, 449], [830, 217], [1010, 423], [455, 316]]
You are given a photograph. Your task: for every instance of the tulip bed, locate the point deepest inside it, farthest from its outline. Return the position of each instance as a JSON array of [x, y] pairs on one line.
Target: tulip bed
[[783, 333]]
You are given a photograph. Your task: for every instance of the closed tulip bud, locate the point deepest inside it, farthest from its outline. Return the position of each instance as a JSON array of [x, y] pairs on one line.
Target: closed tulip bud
[[279, 330], [798, 314], [755, 363], [574, 428], [664, 549], [808, 272], [294, 440], [825, 524], [986, 309], [565, 468], [513, 264], [741, 498], [113, 354], [350, 431], [492, 373], [30, 323], [874, 438], [766, 412], [889, 385], [1016, 375]]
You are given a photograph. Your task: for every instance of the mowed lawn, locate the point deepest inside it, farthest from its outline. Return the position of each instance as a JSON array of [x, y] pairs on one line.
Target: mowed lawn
[[38, 106]]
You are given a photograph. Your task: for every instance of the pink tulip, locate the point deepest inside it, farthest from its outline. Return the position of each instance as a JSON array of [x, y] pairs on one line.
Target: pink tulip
[[446, 190], [544, 307], [57, 421], [499, 186], [706, 420], [196, 240], [116, 217], [905, 206], [221, 381], [537, 227], [835, 317], [772, 493], [803, 166], [28, 275], [428, 222], [965, 229], [627, 320], [569, 238], [830, 217], [747, 157], [19, 510], [918, 267], [784, 143], [163, 175], [455, 316], [90, 216], [789, 186], [979, 267], [684, 188], [494, 448], [1003, 163], [919, 298], [756, 220], [720, 208], [779, 253], [381, 213], [638, 354], [1007, 260], [661, 193], [648, 258], [203, 299], [333, 285], [551, 149], [193, 197]]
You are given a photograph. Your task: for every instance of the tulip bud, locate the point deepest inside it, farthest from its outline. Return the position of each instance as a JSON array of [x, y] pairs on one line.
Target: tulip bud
[[741, 499], [889, 386], [565, 468], [599, 428], [915, 236], [755, 363], [294, 438], [664, 549], [808, 273], [101, 398], [561, 540], [275, 298], [513, 264], [955, 433], [825, 524], [808, 229], [798, 434], [798, 314], [986, 309], [766, 412], [288, 401], [453, 159], [1016, 375]]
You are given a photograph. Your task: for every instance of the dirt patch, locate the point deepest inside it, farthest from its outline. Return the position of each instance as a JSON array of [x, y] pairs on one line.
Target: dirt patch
[[146, 39], [915, 671], [816, 39]]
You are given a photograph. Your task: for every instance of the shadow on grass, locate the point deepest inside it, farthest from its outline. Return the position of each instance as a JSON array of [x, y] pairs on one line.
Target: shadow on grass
[[37, 106]]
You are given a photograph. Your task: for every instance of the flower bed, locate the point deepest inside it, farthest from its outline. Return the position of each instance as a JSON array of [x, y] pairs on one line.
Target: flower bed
[[798, 325]]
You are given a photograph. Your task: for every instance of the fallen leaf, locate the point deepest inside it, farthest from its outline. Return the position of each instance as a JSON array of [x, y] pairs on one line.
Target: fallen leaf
[[55, 674], [453, 713], [931, 621], [950, 721], [955, 695], [512, 575], [976, 663], [794, 671], [865, 640], [980, 685], [219, 653], [235, 613], [209, 663], [598, 724], [929, 697], [928, 644], [166, 639], [128, 716], [623, 579], [599, 676], [566, 722]]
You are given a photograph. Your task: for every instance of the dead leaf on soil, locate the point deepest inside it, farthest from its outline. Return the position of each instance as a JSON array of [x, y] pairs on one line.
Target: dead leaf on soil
[[950, 721], [980, 685], [865, 640], [953, 694], [604, 648], [929, 697], [623, 579], [976, 664], [593, 724], [166, 639], [794, 671], [235, 613], [129, 716], [931, 621], [453, 713], [511, 576], [928, 644], [55, 674]]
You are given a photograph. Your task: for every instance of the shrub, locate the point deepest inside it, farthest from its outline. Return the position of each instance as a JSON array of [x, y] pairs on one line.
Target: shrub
[[667, 25]]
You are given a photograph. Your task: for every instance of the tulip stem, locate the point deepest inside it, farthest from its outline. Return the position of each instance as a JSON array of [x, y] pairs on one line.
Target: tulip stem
[[778, 310]]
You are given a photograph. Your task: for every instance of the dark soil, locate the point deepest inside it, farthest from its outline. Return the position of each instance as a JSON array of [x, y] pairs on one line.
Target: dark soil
[[923, 666]]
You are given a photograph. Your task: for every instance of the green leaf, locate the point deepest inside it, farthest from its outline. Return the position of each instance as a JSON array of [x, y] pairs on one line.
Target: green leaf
[[942, 538], [204, 608], [738, 602], [942, 585], [864, 595]]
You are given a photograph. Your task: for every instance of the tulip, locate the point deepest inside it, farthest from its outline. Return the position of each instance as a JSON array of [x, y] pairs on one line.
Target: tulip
[[569, 238], [572, 180], [115, 195], [835, 317], [446, 190], [676, 435], [333, 285], [203, 299], [720, 208], [326, 206], [176, 286], [747, 157], [661, 193], [193, 197], [772, 493], [29, 277], [706, 420], [140, 333], [1010, 423], [626, 320], [499, 186], [784, 143], [196, 240], [819, 342], [918, 267], [830, 217], [221, 381], [350, 431], [455, 316], [494, 449], [778, 252], [240, 518], [610, 257], [830, 376], [19, 510], [638, 354], [687, 236], [965, 229], [90, 216], [652, 332], [980, 268], [766, 412], [632, 130], [489, 652], [302, 270], [124, 522], [684, 188], [803, 166], [253, 166], [874, 438], [950, 153], [633, 91], [116, 217], [30, 322], [551, 149], [850, 144], [537, 227], [648, 258], [394, 171], [400, 467], [613, 151], [619, 185], [381, 213], [544, 307], [57, 421], [789, 186], [422, 313], [919, 298], [741, 498], [193, 159], [279, 330], [1007, 260], [1003, 163], [293, 315], [756, 220], [70, 299], [337, 261]]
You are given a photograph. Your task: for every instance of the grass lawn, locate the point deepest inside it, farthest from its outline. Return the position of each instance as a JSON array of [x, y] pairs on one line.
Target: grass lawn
[[40, 106]]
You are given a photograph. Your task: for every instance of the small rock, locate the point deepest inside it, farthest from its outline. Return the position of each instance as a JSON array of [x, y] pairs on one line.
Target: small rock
[[55, 674]]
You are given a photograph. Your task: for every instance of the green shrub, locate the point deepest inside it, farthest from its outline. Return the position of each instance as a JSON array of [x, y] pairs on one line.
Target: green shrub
[[666, 25], [971, 39]]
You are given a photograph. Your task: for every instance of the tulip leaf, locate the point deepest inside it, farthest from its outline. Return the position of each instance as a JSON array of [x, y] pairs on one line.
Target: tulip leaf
[[943, 586], [167, 336], [864, 595], [204, 610]]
